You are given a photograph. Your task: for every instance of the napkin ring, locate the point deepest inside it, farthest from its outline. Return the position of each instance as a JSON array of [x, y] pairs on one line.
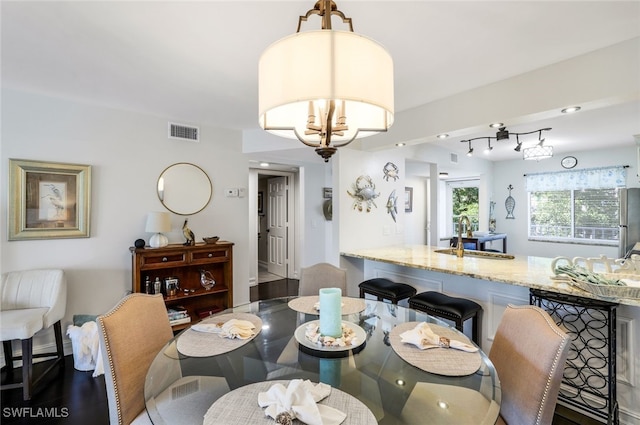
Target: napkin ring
[[444, 342], [284, 418]]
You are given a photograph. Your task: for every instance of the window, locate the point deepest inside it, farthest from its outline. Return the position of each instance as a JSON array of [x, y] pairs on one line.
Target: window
[[464, 197], [577, 206]]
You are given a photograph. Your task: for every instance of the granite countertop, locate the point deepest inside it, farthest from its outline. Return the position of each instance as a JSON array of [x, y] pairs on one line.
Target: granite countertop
[[527, 271]]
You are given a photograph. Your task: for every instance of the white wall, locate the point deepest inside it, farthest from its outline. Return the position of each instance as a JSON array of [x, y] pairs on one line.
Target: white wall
[[127, 151], [416, 220], [512, 172], [361, 229]]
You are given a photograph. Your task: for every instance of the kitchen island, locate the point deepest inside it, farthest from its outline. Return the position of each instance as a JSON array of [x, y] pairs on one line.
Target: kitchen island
[[494, 283]]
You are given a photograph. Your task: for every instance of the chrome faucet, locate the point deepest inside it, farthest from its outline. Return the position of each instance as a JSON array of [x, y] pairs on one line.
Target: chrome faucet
[[460, 247]]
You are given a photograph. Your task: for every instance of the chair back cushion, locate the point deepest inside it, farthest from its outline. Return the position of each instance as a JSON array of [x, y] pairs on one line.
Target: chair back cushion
[[131, 335], [27, 289], [529, 352], [321, 275]]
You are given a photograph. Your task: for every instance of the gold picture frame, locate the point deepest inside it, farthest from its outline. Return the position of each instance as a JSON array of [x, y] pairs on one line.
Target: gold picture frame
[[48, 200]]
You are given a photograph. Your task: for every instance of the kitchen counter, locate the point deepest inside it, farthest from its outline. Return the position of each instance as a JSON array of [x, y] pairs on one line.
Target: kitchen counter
[[526, 271]]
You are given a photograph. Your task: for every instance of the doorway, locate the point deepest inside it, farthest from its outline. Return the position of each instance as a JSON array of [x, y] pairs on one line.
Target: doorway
[[275, 249]]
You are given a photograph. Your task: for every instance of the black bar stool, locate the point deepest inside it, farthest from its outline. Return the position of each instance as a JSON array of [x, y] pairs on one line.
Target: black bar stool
[[386, 289], [447, 307]]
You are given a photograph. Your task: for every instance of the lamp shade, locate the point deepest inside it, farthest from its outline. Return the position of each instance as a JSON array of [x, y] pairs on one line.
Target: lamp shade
[[158, 222], [320, 66]]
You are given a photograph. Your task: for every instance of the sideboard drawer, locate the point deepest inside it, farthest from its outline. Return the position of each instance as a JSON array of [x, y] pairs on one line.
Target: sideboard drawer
[[174, 258], [210, 255]]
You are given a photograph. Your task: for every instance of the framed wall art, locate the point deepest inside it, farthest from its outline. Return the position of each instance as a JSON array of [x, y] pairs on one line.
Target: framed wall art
[[408, 199], [48, 200]]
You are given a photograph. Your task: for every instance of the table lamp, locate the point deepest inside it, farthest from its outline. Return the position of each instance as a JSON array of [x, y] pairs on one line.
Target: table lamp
[[158, 222]]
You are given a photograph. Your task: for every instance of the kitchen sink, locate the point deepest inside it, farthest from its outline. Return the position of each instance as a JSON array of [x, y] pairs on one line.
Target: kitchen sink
[[479, 254]]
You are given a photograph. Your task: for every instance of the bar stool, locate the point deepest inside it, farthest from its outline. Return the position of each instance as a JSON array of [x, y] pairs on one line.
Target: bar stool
[[444, 306], [386, 289]]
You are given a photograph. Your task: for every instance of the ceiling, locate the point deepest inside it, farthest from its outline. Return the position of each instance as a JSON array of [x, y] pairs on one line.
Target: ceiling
[[196, 62]]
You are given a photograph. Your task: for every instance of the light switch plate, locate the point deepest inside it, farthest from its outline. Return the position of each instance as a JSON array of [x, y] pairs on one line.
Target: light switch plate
[[231, 193]]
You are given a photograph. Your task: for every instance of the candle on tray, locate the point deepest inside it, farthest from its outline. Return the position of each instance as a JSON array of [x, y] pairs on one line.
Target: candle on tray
[[331, 312]]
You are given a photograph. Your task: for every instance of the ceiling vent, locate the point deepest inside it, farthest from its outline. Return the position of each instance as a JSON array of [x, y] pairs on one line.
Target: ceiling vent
[[453, 157], [184, 132]]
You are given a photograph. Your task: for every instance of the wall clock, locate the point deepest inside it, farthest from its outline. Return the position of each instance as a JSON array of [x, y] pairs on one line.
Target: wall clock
[[569, 162]]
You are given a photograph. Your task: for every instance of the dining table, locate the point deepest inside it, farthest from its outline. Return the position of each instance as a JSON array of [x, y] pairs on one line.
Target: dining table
[[204, 377]]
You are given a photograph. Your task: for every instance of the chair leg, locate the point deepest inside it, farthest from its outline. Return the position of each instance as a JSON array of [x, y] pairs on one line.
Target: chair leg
[[57, 329], [459, 325], [476, 328], [27, 367], [8, 355]]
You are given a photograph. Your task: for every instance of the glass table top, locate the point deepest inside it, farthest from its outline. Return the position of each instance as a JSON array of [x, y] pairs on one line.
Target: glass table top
[[181, 388]]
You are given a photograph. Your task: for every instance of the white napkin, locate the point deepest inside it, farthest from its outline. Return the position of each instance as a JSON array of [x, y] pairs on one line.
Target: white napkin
[[300, 399], [233, 328], [423, 337]]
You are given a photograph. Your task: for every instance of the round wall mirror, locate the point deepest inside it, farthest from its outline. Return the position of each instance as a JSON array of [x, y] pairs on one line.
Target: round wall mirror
[[184, 188]]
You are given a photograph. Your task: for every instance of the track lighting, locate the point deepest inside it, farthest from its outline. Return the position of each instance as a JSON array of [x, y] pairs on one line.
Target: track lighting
[[489, 148], [518, 144], [540, 151]]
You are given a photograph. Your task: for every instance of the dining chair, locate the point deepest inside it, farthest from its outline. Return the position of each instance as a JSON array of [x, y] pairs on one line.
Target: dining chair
[[321, 275], [132, 334], [529, 352], [31, 301]]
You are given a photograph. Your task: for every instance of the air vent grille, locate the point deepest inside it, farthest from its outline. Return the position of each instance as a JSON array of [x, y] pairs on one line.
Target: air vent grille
[[185, 389], [453, 158], [184, 132]]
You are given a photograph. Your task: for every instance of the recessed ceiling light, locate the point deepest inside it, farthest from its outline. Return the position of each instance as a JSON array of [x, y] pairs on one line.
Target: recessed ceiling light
[[442, 136], [496, 125], [400, 144], [264, 164], [570, 109]]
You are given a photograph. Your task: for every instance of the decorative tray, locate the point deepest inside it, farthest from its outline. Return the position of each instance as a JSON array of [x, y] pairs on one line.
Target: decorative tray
[[360, 338], [631, 290]]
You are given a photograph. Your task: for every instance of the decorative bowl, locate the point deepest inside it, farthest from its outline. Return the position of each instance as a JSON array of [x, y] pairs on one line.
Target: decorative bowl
[[211, 239]]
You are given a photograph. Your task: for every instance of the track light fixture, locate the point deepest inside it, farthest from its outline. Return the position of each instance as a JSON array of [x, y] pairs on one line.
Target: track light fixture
[[489, 148], [518, 144], [537, 152]]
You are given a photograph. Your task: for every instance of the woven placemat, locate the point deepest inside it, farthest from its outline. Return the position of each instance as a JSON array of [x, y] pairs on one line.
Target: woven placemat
[[306, 305], [441, 361], [204, 344], [226, 410]]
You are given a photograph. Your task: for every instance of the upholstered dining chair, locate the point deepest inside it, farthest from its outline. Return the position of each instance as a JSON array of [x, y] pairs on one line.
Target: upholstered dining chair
[[529, 352], [31, 301], [131, 335], [321, 275]]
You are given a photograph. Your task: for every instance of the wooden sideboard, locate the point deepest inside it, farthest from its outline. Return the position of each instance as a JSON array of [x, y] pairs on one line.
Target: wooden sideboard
[[185, 264]]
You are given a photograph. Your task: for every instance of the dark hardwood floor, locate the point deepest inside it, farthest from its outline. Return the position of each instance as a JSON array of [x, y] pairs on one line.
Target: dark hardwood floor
[[69, 396]]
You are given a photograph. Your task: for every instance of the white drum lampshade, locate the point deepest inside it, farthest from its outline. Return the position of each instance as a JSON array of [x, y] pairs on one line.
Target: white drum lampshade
[[158, 222], [326, 87]]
